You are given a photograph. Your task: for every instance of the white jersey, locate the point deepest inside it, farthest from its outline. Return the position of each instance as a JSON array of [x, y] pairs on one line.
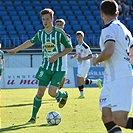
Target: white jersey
[[118, 65], [83, 50]]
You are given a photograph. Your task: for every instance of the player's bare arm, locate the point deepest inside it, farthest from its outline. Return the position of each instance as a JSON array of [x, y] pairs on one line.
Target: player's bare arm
[[64, 52], [131, 55], [3, 64], [25, 45], [73, 56], [105, 54], [84, 58]]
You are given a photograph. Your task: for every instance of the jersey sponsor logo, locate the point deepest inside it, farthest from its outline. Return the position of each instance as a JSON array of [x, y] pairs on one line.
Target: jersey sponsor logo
[[49, 46], [102, 100], [114, 106]]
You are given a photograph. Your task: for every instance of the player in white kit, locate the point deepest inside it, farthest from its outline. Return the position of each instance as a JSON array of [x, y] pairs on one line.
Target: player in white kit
[[116, 94], [1, 63], [83, 55]]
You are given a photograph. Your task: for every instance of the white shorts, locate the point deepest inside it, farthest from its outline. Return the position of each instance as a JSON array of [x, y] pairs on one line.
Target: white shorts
[[117, 94], [83, 71]]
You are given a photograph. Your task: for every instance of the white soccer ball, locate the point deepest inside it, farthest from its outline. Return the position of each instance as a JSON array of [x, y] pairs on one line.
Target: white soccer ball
[[53, 118]]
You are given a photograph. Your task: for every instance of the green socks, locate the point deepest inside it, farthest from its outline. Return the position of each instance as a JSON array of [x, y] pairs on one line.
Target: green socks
[[36, 106], [60, 94]]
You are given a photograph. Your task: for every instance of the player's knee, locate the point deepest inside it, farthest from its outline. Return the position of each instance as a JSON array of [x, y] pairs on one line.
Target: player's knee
[[120, 121], [52, 93], [40, 93]]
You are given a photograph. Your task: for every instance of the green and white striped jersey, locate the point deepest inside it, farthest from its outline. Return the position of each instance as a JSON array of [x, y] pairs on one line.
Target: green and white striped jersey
[[1, 57], [53, 43]]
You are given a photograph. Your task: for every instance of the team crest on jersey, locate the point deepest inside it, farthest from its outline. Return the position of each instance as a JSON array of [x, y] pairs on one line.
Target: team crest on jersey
[[108, 37], [49, 46]]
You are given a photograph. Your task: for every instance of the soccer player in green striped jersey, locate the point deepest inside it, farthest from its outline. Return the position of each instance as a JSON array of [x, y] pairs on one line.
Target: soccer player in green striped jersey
[[55, 47], [1, 63]]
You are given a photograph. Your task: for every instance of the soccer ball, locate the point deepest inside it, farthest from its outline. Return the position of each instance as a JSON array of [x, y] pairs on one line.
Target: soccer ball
[[53, 118]]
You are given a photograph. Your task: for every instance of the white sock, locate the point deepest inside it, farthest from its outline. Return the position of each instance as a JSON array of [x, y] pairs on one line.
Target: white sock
[[94, 81], [82, 93]]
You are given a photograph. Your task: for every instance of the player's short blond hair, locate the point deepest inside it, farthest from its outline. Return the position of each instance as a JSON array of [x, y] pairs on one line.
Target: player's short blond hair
[[60, 20], [47, 11], [80, 33]]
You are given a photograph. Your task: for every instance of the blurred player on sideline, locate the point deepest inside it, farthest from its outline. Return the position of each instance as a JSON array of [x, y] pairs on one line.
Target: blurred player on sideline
[[60, 23], [1, 63], [83, 55], [116, 46], [55, 47]]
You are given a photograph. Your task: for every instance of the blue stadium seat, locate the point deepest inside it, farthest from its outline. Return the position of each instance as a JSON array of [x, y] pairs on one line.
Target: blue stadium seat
[[45, 3], [15, 18], [55, 3], [68, 29], [26, 23], [18, 3], [84, 8], [69, 13], [38, 27], [33, 18], [10, 8], [72, 3], [6, 41], [83, 22], [87, 13], [15, 40], [63, 3], [37, 8], [22, 13], [13, 13], [8, 23], [96, 29], [81, 2], [10, 29], [29, 8], [19, 8], [66, 8], [30, 29], [57, 9], [8, 3], [90, 3], [26, 3], [59, 13], [17, 23], [80, 18], [77, 13], [24, 18], [71, 18], [20, 29], [3, 30], [36, 3], [88, 18], [5, 18], [76, 28], [75, 8], [86, 28], [35, 23]]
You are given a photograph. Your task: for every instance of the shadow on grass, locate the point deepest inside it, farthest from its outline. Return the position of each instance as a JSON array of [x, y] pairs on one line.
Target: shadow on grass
[[26, 104], [22, 126]]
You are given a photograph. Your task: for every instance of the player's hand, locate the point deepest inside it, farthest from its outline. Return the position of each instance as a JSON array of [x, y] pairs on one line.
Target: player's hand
[[79, 58], [53, 59], [12, 51], [94, 60], [72, 56]]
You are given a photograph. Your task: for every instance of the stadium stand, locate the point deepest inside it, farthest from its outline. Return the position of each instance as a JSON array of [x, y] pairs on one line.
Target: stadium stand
[[20, 20]]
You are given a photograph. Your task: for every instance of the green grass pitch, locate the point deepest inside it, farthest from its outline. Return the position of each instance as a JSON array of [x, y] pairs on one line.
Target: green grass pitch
[[78, 116]]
